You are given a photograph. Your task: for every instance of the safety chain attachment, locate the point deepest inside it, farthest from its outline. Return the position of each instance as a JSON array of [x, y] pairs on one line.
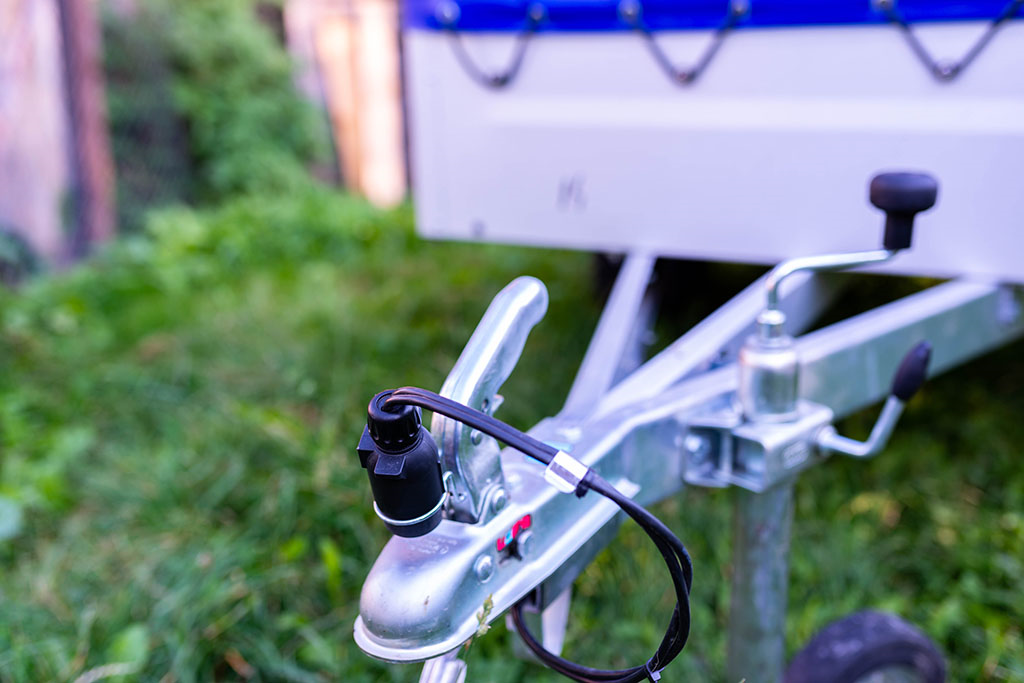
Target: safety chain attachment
[[447, 15], [946, 70], [631, 12]]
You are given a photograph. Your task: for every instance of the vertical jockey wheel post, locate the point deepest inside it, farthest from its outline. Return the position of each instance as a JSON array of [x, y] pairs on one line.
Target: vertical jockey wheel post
[[769, 394]]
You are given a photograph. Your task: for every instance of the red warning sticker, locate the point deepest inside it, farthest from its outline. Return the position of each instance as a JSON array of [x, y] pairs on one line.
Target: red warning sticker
[[517, 528]]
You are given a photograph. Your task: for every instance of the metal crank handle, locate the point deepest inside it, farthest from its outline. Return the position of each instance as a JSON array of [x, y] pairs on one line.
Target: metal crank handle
[[901, 196], [769, 365], [470, 460], [908, 379]]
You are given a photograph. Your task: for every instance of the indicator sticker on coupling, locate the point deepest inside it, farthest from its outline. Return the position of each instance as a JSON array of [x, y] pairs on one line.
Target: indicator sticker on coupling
[[519, 527]]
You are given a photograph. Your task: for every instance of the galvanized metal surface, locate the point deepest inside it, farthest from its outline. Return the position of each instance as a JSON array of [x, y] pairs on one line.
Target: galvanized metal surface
[[829, 441], [849, 365], [444, 669], [769, 378], [612, 338], [470, 459], [425, 596], [818, 263], [718, 338], [762, 523], [769, 365]]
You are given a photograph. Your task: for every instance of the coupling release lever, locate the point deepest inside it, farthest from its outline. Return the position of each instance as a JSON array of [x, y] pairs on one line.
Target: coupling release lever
[[470, 460]]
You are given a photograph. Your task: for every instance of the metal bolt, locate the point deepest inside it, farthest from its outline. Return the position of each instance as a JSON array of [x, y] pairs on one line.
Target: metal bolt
[[484, 568], [498, 500], [476, 436], [525, 541], [947, 71], [629, 10], [697, 446], [447, 13]]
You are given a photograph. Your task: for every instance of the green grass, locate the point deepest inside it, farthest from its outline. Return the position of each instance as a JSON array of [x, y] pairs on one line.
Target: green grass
[[179, 419]]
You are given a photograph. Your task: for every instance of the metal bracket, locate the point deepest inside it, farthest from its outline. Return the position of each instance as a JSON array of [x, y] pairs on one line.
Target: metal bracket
[[447, 668], [722, 450], [625, 316]]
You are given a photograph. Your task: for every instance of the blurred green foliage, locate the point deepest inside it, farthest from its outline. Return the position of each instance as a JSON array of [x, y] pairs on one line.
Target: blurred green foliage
[[202, 106], [179, 417], [178, 420], [147, 130], [249, 132]]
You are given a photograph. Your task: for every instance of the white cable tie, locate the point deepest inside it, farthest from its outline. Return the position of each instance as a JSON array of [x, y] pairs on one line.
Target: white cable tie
[[565, 472]]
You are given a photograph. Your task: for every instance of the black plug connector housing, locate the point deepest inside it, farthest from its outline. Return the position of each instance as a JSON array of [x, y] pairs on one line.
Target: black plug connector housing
[[403, 464]]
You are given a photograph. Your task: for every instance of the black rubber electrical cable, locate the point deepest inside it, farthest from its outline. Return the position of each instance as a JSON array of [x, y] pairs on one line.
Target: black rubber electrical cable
[[671, 646], [671, 548]]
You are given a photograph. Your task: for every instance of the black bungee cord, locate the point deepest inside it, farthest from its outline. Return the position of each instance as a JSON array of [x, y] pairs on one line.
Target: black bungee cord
[[671, 548]]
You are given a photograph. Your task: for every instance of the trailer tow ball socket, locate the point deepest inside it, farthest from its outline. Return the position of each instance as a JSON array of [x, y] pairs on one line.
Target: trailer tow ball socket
[[402, 461]]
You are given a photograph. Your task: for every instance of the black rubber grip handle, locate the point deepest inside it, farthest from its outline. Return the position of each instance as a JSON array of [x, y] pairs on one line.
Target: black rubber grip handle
[[912, 372], [902, 196]]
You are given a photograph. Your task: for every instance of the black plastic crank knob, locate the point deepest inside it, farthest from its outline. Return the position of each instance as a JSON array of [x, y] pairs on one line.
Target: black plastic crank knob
[[912, 372], [902, 196], [401, 460]]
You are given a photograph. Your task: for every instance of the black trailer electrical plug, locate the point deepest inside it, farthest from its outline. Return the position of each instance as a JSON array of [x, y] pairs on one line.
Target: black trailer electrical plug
[[402, 462]]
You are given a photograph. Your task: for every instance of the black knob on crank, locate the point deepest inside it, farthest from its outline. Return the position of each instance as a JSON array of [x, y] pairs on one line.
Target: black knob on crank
[[902, 196], [912, 371]]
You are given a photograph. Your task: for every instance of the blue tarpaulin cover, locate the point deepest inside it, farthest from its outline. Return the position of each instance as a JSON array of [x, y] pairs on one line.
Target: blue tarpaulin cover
[[603, 15]]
